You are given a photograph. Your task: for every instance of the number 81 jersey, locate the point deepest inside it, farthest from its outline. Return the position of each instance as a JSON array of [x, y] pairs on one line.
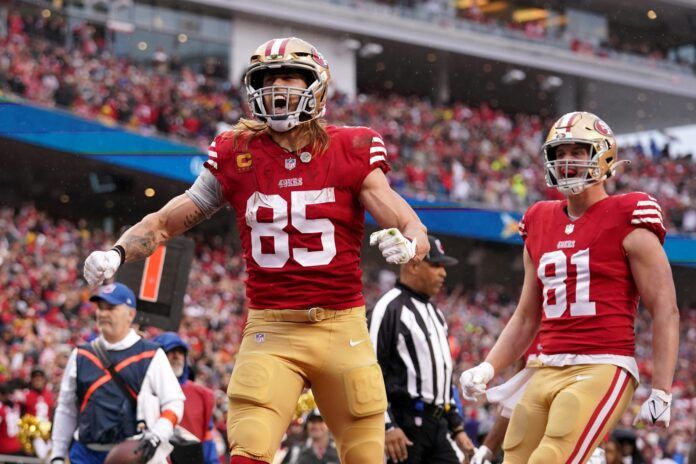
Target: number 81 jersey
[[299, 217], [588, 295]]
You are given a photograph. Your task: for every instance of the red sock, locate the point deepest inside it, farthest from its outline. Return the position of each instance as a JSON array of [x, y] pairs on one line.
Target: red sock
[[245, 460]]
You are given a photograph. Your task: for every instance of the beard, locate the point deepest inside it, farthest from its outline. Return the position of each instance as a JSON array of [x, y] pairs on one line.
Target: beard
[[178, 370]]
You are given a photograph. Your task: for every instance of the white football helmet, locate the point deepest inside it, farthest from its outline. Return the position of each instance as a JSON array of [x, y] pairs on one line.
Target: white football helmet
[[587, 129], [287, 54]]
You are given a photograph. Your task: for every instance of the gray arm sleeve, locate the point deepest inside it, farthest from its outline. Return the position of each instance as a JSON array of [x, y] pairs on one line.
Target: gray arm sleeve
[[206, 193]]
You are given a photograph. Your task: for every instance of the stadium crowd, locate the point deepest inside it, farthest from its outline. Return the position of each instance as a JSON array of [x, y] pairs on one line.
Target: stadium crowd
[[44, 312], [551, 29], [474, 155]]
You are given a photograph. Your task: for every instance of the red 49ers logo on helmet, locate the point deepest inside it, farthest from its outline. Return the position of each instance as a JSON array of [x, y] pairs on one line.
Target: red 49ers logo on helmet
[[602, 127], [319, 58]]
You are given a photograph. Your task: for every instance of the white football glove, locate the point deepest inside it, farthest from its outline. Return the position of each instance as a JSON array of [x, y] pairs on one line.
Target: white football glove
[[598, 457], [473, 381], [101, 266], [655, 410], [396, 248], [483, 455]]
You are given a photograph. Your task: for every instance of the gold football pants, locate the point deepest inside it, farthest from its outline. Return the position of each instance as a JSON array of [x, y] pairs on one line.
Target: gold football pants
[[330, 351], [565, 412]]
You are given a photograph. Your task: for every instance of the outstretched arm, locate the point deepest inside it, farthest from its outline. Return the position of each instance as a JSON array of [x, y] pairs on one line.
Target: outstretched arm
[[201, 201], [175, 218], [390, 210]]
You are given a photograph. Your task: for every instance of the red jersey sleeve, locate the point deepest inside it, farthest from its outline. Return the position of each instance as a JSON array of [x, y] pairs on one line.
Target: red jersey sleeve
[[212, 163], [220, 157], [643, 211], [372, 152], [526, 222]]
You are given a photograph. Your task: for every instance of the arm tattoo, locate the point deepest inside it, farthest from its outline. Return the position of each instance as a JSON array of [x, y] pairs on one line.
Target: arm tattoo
[[139, 246], [194, 218]]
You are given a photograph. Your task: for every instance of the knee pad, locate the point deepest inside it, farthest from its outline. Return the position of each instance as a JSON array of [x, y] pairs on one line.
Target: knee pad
[[545, 454], [362, 445], [252, 378], [560, 422], [251, 437], [517, 427], [365, 392]]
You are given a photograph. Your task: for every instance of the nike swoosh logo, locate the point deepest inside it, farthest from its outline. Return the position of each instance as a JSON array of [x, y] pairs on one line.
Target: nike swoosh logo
[[653, 410], [352, 342]]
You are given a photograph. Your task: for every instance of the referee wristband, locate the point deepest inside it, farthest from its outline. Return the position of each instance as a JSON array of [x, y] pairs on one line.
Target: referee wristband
[[121, 252]]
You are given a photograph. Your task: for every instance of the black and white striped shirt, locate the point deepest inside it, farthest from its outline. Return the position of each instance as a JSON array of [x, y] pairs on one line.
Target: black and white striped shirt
[[410, 336]]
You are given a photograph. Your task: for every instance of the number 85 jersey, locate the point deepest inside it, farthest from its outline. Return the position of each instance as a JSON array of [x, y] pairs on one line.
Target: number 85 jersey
[[300, 219], [588, 295]]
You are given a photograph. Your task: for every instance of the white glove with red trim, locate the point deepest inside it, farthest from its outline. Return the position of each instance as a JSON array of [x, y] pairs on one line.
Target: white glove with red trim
[[395, 248], [655, 410]]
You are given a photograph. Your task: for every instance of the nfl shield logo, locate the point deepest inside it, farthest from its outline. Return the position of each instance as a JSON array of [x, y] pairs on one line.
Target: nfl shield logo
[[260, 337], [569, 229], [290, 164]]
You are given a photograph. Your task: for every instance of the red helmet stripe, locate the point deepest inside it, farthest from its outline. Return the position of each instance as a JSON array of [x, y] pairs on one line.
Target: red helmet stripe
[[276, 47], [567, 121], [269, 46], [283, 44]]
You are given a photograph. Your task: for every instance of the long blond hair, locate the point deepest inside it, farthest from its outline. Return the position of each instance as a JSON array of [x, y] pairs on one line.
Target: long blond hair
[[246, 130]]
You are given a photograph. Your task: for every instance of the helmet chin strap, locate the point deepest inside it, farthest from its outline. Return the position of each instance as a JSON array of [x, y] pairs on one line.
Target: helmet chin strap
[[568, 190], [283, 125], [289, 122], [572, 190]]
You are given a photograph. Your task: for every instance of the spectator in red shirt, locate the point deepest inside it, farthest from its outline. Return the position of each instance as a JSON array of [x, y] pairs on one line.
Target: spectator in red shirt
[[39, 400], [9, 422]]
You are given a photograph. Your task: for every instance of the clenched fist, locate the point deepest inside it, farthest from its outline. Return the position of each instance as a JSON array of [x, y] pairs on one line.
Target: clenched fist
[[101, 266], [655, 410], [395, 248], [473, 381]]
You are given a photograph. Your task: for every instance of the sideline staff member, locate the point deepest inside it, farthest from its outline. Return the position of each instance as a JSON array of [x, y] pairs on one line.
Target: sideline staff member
[[410, 336], [93, 409], [200, 400]]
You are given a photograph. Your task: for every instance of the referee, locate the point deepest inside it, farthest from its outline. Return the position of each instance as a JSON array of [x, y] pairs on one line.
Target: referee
[[410, 336]]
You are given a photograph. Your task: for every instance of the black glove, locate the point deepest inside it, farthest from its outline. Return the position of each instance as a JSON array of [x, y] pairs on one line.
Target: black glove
[[148, 445]]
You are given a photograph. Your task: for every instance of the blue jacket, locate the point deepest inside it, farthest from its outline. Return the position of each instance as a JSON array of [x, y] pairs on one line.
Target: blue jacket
[[106, 415]]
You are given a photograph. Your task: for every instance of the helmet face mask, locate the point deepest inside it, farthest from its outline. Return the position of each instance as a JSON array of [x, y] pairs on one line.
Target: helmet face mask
[[284, 107], [573, 175]]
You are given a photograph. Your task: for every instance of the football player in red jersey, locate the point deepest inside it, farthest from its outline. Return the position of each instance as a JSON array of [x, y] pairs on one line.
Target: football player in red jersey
[[299, 190], [587, 261]]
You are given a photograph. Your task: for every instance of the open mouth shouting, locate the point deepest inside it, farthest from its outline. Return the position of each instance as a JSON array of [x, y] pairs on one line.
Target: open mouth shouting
[[280, 104]]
